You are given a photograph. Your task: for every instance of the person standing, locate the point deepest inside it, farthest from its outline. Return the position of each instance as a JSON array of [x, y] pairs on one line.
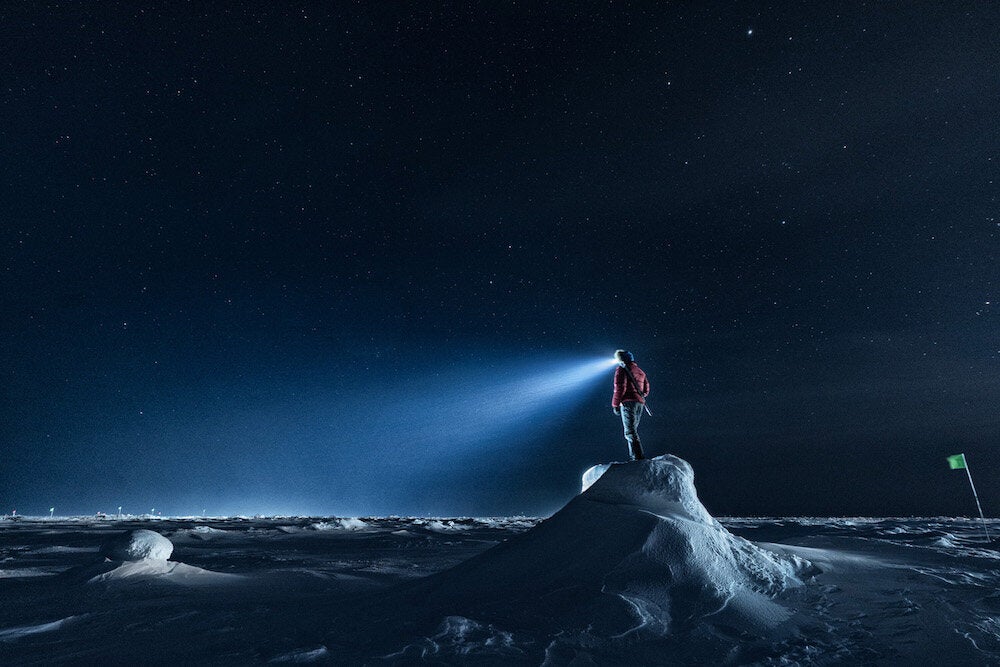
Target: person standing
[[631, 386]]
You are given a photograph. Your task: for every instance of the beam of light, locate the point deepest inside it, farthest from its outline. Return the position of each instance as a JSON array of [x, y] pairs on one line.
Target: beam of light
[[377, 436], [476, 408]]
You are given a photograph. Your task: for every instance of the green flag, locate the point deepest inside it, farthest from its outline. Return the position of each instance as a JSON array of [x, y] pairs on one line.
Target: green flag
[[956, 461]]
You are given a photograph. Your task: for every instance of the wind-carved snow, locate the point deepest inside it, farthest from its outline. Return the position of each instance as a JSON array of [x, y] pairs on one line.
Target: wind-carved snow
[[306, 656], [460, 636], [150, 569], [13, 634], [340, 524], [445, 526], [648, 616], [634, 557], [689, 566], [203, 533], [142, 555], [138, 544], [593, 474]]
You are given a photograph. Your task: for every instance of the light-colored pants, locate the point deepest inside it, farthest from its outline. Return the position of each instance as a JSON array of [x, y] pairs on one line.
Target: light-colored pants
[[631, 413]]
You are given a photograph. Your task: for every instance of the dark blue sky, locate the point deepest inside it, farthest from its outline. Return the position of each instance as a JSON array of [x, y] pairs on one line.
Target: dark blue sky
[[283, 259]]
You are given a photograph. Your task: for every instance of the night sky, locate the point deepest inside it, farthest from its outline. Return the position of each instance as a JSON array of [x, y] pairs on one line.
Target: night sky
[[300, 258]]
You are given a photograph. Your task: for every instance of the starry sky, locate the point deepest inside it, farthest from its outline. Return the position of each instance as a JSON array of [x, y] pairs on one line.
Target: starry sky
[[303, 257]]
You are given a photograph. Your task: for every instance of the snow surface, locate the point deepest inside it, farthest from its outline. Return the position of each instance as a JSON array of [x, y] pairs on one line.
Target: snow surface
[[632, 571]]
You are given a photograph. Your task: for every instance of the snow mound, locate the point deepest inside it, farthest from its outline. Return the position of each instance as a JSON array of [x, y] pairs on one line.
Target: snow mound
[[137, 545], [445, 526], [141, 556], [352, 524], [634, 556], [340, 524]]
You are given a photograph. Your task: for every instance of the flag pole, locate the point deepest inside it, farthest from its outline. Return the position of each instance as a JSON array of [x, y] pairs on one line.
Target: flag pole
[[976, 496]]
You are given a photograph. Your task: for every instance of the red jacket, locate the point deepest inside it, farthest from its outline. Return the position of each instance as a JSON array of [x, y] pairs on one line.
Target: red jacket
[[623, 388]]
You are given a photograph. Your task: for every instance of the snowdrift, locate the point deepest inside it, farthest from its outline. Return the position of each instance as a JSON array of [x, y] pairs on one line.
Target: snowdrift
[[633, 558], [142, 556], [135, 545], [153, 570]]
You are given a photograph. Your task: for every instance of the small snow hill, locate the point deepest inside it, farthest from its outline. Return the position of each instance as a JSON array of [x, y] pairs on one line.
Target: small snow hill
[[635, 558], [142, 556]]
